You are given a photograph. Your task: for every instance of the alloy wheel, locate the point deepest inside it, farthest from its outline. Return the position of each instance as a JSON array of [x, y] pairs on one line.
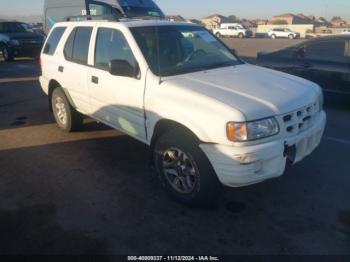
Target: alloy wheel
[[180, 171], [61, 110]]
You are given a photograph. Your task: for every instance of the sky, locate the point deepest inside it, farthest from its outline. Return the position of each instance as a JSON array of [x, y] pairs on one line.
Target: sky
[[200, 8]]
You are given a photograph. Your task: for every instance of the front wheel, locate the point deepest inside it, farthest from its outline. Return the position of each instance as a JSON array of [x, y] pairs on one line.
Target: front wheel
[[240, 35], [7, 54], [218, 35], [291, 37], [184, 170], [273, 36], [67, 118]]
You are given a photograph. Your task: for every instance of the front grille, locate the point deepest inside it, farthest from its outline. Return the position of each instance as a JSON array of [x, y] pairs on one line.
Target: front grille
[[300, 120]]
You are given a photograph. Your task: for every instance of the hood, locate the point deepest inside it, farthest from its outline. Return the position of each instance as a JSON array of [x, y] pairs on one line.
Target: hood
[[255, 91], [25, 36]]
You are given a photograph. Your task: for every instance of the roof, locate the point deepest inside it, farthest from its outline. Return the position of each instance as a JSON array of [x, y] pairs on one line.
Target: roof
[[133, 22], [331, 37]]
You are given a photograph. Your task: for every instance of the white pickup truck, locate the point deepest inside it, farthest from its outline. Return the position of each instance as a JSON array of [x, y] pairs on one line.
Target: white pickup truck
[[208, 117], [233, 30]]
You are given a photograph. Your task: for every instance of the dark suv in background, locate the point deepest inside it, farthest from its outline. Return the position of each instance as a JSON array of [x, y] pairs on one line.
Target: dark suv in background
[[17, 40], [324, 60]]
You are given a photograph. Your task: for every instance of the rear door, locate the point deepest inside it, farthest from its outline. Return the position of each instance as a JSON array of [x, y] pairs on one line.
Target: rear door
[[74, 68]]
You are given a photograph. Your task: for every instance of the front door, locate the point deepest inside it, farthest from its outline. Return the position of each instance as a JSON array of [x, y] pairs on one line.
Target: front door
[[116, 100]]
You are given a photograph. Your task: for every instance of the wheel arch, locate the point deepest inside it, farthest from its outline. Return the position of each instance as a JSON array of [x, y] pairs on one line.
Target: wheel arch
[[53, 84], [165, 125]]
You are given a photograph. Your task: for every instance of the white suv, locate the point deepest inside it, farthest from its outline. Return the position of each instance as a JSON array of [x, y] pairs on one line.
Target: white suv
[[283, 33], [208, 117], [346, 31]]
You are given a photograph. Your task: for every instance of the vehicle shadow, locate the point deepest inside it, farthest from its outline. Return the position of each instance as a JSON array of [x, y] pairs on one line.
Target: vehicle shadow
[[21, 67], [105, 189]]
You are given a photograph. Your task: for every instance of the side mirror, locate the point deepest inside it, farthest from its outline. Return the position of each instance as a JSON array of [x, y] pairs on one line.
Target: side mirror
[[234, 51], [123, 68]]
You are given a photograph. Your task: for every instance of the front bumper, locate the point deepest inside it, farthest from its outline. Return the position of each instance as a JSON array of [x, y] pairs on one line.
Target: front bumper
[[26, 50], [242, 166]]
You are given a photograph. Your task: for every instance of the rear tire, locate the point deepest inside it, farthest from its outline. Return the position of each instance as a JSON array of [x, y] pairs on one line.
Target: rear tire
[[240, 35], [184, 170], [67, 118], [7, 54]]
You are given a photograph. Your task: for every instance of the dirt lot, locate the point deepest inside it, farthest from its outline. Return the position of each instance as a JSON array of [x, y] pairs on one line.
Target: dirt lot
[[92, 192]]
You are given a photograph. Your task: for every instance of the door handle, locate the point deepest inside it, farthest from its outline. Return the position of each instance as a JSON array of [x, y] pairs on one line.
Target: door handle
[[60, 69], [94, 79]]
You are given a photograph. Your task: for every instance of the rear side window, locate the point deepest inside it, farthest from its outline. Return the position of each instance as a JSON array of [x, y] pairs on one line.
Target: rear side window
[[77, 45], [326, 50], [53, 40]]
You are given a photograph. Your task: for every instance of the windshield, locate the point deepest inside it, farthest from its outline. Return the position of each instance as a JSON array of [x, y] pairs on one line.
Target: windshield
[[172, 50], [138, 11], [13, 27]]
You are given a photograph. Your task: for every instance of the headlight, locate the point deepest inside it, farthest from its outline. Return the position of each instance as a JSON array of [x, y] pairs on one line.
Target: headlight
[[252, 130], [14, 42]]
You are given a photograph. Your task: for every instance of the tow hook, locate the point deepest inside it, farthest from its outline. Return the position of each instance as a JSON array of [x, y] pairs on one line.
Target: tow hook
[[290, 152]]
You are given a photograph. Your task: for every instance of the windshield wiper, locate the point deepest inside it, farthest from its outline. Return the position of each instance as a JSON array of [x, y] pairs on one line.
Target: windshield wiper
[[218, 65], [196, 69]]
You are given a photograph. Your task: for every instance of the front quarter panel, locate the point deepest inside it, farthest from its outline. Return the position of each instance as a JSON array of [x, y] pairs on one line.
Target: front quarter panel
[[203, 115]]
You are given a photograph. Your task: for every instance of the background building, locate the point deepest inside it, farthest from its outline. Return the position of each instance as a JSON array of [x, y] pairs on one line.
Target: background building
[[214, 21]]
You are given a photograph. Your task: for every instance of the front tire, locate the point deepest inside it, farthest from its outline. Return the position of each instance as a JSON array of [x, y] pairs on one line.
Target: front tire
[[184, 170], [291, 37], [273, 36], [240, 35], [67, 118], [7, 54], [218, 35]]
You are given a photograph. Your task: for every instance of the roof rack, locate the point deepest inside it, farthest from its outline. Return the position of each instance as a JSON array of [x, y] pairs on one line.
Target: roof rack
[[91, 17]]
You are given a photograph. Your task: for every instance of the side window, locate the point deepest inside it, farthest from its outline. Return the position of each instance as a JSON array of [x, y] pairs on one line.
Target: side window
[[100, 10], [326, 50], [77, 45], [5, 28], [112, 45], [53, 40]]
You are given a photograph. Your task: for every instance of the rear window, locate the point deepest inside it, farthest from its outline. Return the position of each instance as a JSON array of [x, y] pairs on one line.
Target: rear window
[[53, 40], [77, 45]]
